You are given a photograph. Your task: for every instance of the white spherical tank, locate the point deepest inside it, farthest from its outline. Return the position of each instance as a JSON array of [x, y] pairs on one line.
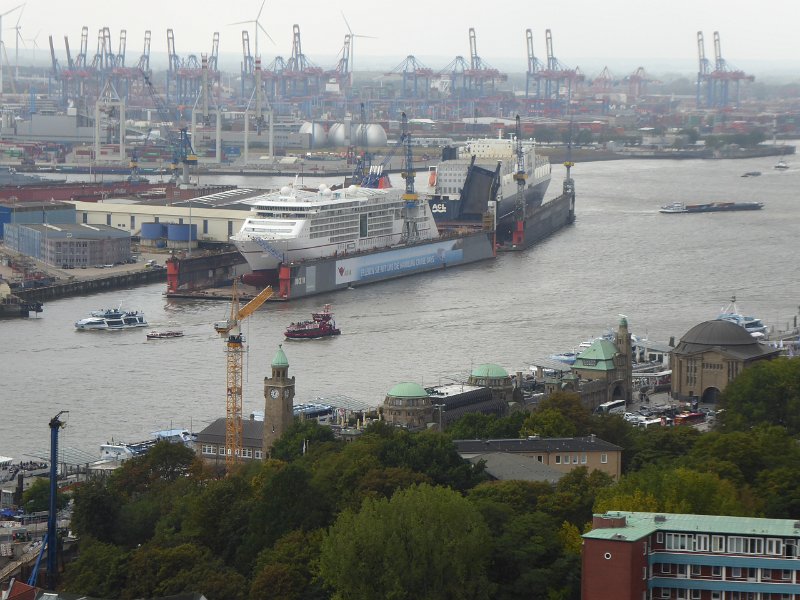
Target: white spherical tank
[[376, 135], [317, 132], [336, 134]]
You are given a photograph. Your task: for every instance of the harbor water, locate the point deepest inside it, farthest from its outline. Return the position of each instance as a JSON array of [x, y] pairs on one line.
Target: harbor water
[[665, 272]]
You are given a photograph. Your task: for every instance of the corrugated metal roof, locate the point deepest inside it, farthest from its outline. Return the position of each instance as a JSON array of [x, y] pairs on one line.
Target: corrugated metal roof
[[641, 524]]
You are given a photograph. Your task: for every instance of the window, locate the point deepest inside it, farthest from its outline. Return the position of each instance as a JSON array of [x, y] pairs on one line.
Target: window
[[558, 459], [678, 541], [717, 543], [701, 543], [207, 449], [604, 458], [695, 594], [786, 575], [180, 220], [583, 459], [644, 573], [681, 570], [666, 568], [108, 219], [205, 226], [716, 571], [258, 454], [574, 459], [540, 458], [715, 596], [660, 537], [230, 228], [133, 222], [774, 546], [766, 574], [682, 594], [566, 459], [85, 217], [695, 570], [735, 544], [665, 592], [736, 571]]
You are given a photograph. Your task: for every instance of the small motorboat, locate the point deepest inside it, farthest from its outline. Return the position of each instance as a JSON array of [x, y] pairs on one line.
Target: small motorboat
[[163, 335], [752, 174], [782, 165]]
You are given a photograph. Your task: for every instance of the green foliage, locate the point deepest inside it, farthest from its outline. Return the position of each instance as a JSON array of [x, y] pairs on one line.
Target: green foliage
[[163, 463], [96, 511], [303, 432], [425, 542], [156, 571], [570, 406], [575, 495], [288, 570], [548, 423], [660, 445], [674, 490], [475, 426], [100, 570], [767, 392], [37, 497]]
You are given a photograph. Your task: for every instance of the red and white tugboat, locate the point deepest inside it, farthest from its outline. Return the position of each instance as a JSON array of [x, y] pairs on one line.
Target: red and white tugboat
[[321, 325]]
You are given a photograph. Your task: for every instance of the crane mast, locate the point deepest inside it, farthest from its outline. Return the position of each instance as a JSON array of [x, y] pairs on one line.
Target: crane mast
[[520, 176], [234, 350]]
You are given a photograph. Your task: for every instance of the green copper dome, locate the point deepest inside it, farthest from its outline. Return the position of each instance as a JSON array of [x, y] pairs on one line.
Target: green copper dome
[[280, 359], [408, 389], [489, 370]]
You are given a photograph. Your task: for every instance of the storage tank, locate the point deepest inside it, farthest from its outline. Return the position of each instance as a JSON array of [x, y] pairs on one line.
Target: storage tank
[[375, 135], [337, 134], [317, 132], [151, 233], [181, 235]]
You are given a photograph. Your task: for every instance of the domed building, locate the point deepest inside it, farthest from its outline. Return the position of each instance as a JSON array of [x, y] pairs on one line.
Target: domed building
[[710, 355], [495, 378], [407, 404]]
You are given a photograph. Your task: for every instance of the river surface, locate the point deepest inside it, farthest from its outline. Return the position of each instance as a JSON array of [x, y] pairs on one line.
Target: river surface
[[665, 272]]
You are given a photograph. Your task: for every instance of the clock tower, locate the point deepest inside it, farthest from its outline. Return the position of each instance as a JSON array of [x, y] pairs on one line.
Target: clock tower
[[278, 401]]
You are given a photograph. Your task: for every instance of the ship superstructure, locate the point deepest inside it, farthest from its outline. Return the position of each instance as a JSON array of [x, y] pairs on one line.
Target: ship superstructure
[[461, 184], [296, 224]]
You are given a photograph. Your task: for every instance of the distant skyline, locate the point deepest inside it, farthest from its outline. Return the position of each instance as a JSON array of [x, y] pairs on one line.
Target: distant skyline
[[587, 34]]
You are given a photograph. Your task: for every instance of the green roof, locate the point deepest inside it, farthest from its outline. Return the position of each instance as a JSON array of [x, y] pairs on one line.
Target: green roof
[[489, 370], [280, 359], [641, 524], [408, 389], [602, 351]]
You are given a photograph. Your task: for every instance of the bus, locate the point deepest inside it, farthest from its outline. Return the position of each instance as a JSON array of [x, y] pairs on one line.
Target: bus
[[689, 418], [614, 407]]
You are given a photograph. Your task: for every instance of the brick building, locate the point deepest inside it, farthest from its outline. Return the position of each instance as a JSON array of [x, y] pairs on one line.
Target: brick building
[[649, 556]]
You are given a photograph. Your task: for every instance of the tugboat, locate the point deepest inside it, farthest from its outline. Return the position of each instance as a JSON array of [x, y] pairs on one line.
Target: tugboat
[[321, 325]]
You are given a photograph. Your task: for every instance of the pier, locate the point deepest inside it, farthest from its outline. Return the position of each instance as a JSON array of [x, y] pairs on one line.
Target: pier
[[78, 287]]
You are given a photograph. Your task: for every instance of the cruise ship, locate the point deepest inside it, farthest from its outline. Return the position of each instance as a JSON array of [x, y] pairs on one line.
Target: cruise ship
[[461, 184], [304, 242], [297, 224]]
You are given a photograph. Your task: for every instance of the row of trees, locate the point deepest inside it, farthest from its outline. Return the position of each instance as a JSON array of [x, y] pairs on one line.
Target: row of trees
[[400, 515]]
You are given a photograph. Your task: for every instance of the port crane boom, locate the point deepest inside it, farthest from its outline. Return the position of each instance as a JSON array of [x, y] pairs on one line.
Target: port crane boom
[[234, 349]]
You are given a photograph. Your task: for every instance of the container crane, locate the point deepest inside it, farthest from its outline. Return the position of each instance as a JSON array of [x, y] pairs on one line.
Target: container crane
[[234, 349], [180, 144]]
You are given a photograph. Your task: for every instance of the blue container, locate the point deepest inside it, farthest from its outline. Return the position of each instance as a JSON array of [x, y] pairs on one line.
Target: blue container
[[181, 232], [153, 231]]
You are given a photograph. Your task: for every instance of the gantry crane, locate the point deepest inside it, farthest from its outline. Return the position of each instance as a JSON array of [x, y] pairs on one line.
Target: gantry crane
[[234, 348]]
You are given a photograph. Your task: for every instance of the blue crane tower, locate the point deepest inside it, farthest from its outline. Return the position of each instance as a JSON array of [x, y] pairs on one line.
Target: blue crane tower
[[179, 143]]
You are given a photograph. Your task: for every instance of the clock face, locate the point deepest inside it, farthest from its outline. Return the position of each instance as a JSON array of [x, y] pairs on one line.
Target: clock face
[[274, 393], [287, 392]]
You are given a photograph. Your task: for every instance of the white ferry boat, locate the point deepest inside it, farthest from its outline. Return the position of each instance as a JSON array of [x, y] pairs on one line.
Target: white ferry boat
[[113, 319], [295, 224]]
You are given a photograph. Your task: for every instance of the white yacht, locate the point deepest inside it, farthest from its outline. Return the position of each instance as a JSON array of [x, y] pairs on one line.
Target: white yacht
[[296, 224], [753, 325], [112, 318]]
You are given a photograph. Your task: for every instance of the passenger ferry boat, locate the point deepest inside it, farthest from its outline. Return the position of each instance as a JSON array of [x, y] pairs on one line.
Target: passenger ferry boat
[[296, 224], [112, 318]]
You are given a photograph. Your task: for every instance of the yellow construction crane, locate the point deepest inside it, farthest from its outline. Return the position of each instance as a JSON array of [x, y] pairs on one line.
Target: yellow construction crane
[[234, 348]]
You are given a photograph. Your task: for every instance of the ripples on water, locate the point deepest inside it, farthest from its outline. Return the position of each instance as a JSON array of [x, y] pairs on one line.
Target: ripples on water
[[665, 272]]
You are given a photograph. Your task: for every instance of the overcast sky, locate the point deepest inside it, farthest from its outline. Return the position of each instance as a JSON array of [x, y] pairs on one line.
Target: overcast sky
[[586, 33]]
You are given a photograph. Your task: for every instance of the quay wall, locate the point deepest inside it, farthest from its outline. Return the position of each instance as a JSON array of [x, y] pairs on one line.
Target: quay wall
[[79, 287]]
